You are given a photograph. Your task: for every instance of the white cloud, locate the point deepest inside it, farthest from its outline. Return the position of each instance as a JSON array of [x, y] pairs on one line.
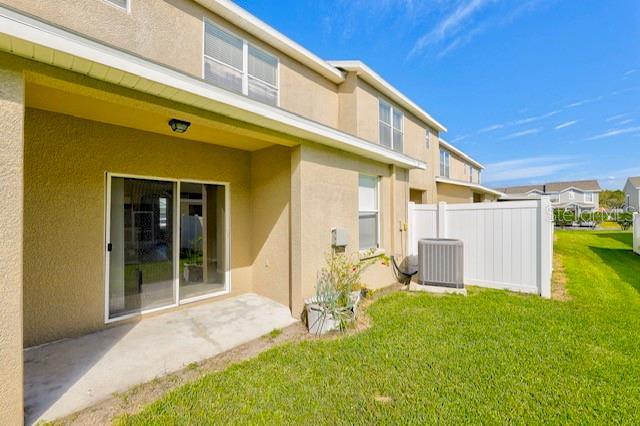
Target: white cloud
[[450, 25], [491, 128], [527, 168], [459, 138], [522, 133], [614, 132], [618, 116], [565, 125]]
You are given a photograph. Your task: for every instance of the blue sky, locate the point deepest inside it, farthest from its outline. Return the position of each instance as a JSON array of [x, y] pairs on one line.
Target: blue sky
[[536, 90]]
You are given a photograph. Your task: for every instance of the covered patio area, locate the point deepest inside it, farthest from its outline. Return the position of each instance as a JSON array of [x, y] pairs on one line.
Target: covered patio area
[[72, 374]]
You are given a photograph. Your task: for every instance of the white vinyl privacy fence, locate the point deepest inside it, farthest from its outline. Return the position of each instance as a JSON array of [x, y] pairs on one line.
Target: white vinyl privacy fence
[[636, 233], [507, 245]]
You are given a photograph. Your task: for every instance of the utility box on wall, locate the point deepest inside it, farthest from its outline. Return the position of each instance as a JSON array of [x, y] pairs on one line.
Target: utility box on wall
[[339, 237]]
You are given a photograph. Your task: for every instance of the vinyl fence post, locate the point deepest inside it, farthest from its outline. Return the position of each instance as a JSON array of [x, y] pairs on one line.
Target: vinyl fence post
[[442, 219], [545, 246], [411, 233], [636, 233]]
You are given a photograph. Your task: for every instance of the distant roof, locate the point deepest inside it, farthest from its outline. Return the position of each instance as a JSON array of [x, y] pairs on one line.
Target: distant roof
[[521, 189], [635, 181], [584, 185]]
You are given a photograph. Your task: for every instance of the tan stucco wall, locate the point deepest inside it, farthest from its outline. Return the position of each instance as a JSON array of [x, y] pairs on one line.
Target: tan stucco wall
[[270, 211], [454, 193], [150, 31], [66, 161], [329, 198], [459, 169], [11, 245], [363, 109]]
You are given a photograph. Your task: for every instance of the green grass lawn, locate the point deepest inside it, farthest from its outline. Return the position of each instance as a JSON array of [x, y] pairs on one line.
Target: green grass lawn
[[492, 357]]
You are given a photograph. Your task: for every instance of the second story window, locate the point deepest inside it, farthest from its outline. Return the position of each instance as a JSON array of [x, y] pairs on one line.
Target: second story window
[[588, 197], [444, 162], [428, 139], [238, 66], [391, 122]]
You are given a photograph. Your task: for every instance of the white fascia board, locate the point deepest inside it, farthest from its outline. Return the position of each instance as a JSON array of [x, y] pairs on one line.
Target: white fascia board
[[254, 26], [30, 30], [375, 80], [573, 188], [460, 153], [475, 186]]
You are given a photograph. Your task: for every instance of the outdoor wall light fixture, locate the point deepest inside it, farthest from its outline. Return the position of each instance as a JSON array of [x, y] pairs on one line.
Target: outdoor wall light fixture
[[179, 126]]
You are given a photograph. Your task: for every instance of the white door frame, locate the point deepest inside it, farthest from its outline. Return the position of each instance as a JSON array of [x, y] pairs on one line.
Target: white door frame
[[176, 244]]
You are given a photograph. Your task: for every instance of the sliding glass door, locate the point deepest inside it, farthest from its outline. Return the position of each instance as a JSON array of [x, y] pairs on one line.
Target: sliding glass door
[[202, 239], [155, 260]]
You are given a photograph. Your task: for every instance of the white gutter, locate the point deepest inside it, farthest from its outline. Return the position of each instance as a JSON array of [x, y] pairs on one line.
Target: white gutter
[[374, 79], [475, 186], [31, 38], [460, 153], [243, 19]]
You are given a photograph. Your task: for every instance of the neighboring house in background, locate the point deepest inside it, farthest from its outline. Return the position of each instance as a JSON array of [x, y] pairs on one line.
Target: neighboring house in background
[[458, 177], [579, 196], [112, 143], [632, 193]]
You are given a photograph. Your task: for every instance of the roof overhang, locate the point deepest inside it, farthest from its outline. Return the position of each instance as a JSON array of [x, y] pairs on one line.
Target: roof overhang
[[574, 188], [374, 79], [243, 19], [474, 186], [34, 39], [458, 152]]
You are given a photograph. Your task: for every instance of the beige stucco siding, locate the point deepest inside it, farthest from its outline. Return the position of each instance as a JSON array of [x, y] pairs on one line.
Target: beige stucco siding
[[459, 169], [329, 199], [12, 88], [454, 193], [171, 33], [270, 212], [66, 161], [362, 108]]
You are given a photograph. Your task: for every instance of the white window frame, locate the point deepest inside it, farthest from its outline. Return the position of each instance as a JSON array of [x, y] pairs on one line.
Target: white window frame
[[589, 197], [428, 139], [245, 60], [126, 9], [445, 167], [392, 124], [370, 212], [572, 194], [176, 245]]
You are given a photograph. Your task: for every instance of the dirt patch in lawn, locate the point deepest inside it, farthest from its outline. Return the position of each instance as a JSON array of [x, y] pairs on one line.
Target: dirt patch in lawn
[[559, 280], [136, 398]]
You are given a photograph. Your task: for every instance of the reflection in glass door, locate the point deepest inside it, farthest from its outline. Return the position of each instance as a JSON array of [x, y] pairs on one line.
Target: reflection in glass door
[[202, 239], [140, 245]]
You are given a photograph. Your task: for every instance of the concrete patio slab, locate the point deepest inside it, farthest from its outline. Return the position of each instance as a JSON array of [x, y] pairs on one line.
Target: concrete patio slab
[[67, 376]]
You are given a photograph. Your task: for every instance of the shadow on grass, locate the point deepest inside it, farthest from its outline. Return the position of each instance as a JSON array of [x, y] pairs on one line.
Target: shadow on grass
[[623, 237], [625, 263]]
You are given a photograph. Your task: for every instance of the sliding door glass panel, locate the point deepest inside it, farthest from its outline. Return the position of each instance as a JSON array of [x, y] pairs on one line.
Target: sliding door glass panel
[[202, 239], [141, 266]]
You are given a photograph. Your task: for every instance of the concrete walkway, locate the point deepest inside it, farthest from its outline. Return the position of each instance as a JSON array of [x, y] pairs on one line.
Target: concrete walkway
[[67, 376]]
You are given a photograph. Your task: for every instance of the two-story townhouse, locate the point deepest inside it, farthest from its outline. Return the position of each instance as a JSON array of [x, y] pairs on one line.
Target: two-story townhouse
[[579, 196], [158, 154], [458, 177]]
